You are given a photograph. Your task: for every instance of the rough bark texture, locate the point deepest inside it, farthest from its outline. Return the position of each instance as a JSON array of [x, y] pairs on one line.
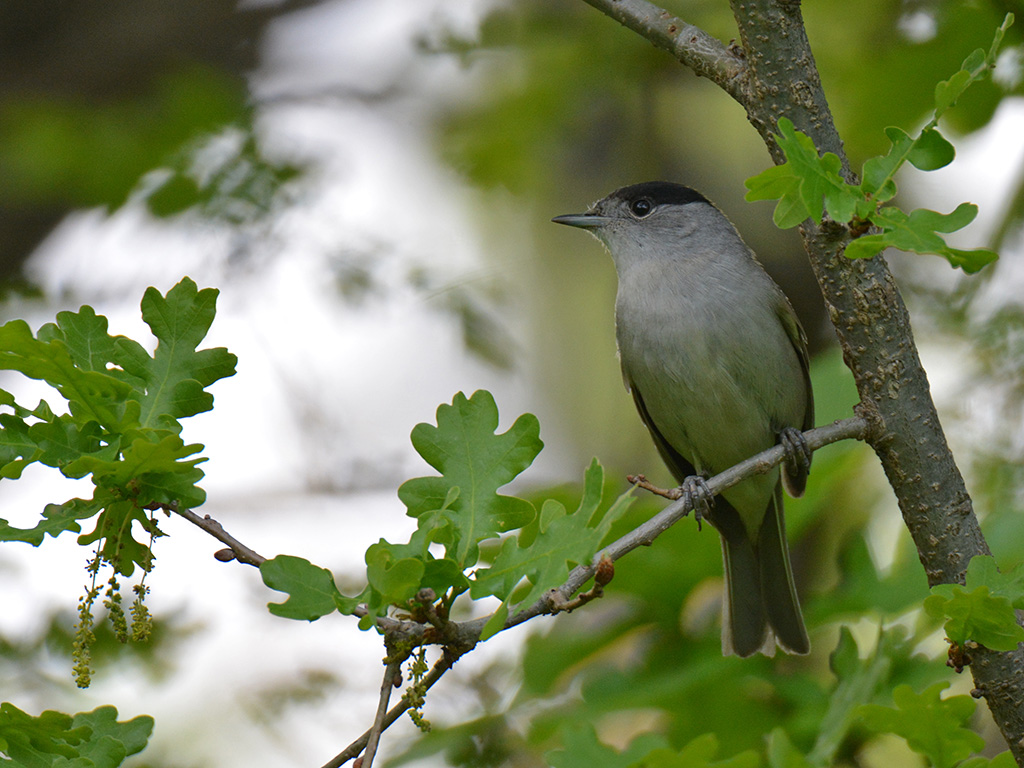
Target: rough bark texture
[[781, 77], [873, 327], [774, 75]]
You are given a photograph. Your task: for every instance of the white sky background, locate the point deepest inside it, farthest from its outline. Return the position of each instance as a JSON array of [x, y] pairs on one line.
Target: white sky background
[[326, 392]]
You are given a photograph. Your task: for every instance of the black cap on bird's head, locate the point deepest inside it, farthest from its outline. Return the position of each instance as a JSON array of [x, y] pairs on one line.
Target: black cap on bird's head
[[659, 193], [640, 199]]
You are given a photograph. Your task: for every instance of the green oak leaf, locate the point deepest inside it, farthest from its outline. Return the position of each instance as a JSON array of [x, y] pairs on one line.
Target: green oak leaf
[[38, 740], [57, 518], [918, 232], [396, 572], [983, 571], [807, 179], [976, 615], [154, 468], [969, 261], [930, 151], [63, 439], [116, 527], [86, 740], [582, 749], [441, 574], [878, 172], [84, 334], [476, 461], [110, 741], [779, 183], [568, 539], [311, 590], [122, 427], [975, 66], [90, 394], [17, 449], [866, 246], [395, 579], [947, 92], [914, 229], [144, 453], [783, 754], [176, 376], [1002, 760], [805, 185], [983, 610], [931, 726], [172, 488]]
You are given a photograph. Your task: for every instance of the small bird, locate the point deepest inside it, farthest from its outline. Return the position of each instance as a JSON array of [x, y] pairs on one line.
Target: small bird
[[716, 362]]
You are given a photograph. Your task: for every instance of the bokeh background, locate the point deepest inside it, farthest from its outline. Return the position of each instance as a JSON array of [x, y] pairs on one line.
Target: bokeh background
[[369, 183]]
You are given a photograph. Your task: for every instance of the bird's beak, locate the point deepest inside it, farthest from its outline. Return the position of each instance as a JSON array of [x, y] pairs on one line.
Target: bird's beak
[[582, 220]]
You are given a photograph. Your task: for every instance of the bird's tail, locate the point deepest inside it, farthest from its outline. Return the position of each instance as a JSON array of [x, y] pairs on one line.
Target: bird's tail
[[761, 606]]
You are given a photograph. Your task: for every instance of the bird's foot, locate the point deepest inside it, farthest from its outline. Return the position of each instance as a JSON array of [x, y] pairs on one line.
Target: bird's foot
[[696, 494], [798, 454]]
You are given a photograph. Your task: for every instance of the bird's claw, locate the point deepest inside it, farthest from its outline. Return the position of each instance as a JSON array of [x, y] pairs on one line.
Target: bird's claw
[[798, 453], [696, 494]]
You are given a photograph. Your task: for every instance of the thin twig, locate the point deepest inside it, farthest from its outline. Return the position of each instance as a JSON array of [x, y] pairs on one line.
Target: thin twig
[[442, 665], [856, 428], [392, 672], [852, 428], [236, 549]]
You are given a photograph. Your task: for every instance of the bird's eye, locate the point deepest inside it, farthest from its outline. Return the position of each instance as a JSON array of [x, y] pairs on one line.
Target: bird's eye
[[641, 207]]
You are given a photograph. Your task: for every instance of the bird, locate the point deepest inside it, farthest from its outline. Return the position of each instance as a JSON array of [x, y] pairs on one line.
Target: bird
[[716, 361]]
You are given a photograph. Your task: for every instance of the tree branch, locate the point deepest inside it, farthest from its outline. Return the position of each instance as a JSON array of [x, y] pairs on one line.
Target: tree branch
[[467, 633], [873, 328], [688, 44], [236, 550], [783, 79]]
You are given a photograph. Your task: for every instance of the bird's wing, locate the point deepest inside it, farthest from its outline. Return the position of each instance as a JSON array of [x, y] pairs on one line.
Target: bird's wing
[[796, 477], [680, 467], [798, 339]]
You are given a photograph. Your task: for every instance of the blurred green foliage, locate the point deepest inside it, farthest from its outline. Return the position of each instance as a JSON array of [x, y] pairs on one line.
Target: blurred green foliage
[[89, 154], [880, 64], [574, 98], [59, 151]]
